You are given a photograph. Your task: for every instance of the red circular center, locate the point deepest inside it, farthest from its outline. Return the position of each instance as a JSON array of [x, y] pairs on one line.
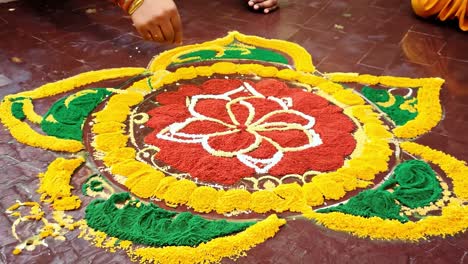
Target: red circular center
[[202, 130]]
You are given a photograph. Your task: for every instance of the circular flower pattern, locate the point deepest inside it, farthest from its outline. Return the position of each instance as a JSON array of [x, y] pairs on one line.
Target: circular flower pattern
[[247, 129]]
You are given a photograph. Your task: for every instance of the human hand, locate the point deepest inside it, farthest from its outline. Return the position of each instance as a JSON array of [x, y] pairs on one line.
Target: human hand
[[266, 5], [158, 20]]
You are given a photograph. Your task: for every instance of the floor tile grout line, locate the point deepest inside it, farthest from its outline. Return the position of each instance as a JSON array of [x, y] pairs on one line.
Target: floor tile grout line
[[368, 51], [370, 66], [426, 34]]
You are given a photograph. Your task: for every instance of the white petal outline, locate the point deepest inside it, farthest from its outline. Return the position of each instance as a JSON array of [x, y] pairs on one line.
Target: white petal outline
[[230, 154], [309, 125], [171, 133], [243, 101], [249, 106], [251, 112], [314, 139], [196, 98], [280, 101], [252, 90], [225, 96], [251, 162]]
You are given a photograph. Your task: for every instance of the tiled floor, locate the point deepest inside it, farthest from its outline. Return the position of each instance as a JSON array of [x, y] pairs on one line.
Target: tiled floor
[[43, 41]]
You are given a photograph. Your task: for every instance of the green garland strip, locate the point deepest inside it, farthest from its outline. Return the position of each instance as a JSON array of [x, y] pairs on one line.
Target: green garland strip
[[66, 116], [151, 225], [235, 51], [398, 115], [414, 184]]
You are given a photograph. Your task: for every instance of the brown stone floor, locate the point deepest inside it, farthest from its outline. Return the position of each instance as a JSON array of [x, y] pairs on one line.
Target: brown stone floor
[[56, 39]]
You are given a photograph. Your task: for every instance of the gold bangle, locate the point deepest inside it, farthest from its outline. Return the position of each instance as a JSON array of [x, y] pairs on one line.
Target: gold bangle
[[134, 6]]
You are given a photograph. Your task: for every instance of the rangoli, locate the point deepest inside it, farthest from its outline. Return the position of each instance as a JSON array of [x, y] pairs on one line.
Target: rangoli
[[211, 149]]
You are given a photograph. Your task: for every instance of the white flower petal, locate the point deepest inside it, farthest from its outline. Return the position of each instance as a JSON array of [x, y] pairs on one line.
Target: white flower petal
[[266, 164]]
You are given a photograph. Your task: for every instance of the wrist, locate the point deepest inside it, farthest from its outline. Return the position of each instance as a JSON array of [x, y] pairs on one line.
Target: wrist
[[123, 4], [134, 6]]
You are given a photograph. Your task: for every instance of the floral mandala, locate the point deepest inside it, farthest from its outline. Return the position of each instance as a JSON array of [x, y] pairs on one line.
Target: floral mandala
[[247, 129], [235, 127]]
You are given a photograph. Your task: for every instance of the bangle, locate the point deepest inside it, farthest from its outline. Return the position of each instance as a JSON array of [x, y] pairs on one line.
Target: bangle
[[124, 4], [134, 6]]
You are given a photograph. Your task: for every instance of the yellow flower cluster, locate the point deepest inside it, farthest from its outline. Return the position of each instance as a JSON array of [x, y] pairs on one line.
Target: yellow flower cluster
[[35, 212], [454, 219], [48, 229], [213, 251], [70, 84], [55, 184], [429, 108], [22, 132], [145, 181], [31, 115]]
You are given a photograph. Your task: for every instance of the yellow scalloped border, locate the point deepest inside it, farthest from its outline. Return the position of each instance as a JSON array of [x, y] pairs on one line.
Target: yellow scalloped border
[[302, 60], [147, 182], [429, 107], [454, 217], [22, 132]]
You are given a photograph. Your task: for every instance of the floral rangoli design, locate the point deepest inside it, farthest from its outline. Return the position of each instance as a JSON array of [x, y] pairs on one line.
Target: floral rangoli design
[[247, 129], [238, 126]]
